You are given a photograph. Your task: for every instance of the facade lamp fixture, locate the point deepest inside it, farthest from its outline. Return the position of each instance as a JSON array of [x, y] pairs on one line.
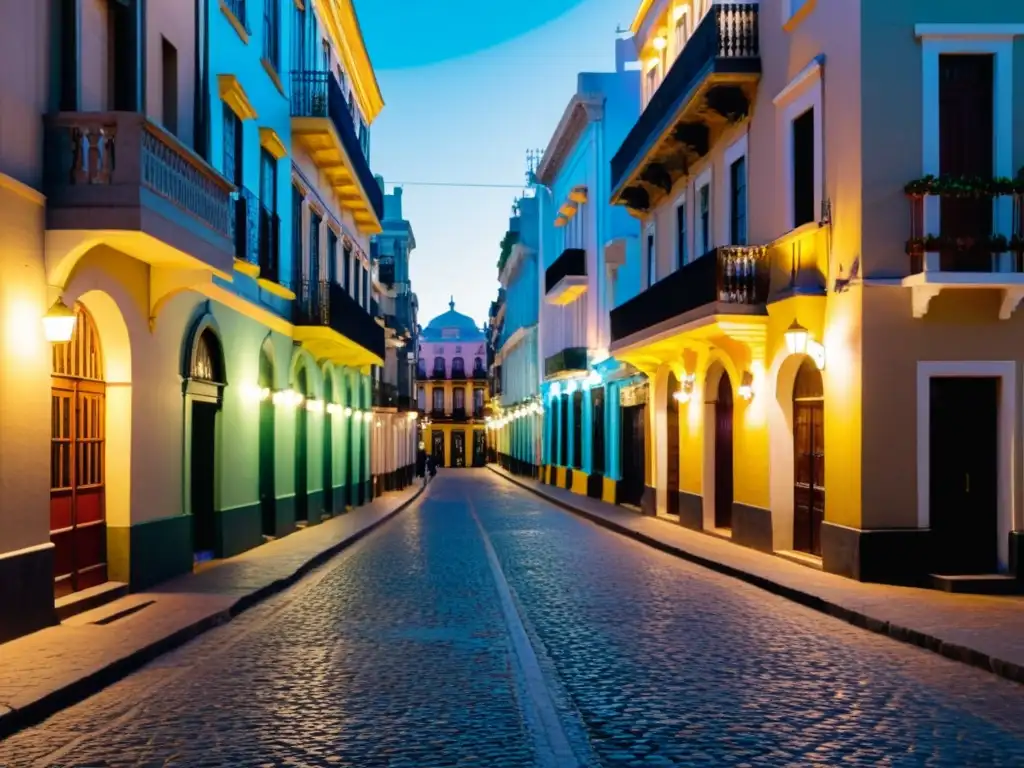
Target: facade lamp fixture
[[796, 338], [685, 391], [746, 388], [315, 406], [659, 43], [59, 323], [347, 411]]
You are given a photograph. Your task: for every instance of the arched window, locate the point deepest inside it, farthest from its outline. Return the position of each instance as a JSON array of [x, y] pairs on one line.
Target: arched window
[[458, 366], [439, 367], [206, 359]]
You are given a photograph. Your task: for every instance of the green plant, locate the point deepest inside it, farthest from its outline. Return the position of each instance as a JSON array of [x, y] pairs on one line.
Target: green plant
[[509, 240], [965, 186]]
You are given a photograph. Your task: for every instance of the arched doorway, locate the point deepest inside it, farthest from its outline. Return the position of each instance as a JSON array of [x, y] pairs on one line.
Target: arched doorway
[[672, 444], [328, 449], [302, 448], [808, 458], [268, 492], [723, 453], [78, 527], [202, 401]]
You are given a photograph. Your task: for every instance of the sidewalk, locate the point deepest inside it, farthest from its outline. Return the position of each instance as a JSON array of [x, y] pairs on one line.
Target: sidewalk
[[52, 669], [985, 631]]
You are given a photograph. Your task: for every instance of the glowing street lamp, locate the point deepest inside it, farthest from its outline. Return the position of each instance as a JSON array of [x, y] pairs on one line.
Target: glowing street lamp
[[59, 323], [796, 338]]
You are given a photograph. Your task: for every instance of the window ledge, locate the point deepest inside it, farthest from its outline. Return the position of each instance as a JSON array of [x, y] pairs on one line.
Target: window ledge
[[795, 19], [268, 65], [235, 22]]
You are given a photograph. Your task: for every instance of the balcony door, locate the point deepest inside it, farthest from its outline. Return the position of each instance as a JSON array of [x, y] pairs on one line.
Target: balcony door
[[632, 450], [437, 447], [458, 448], [808, 459]]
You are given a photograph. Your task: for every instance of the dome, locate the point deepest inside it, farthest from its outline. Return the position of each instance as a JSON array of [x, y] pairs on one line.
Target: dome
[[453, 325]]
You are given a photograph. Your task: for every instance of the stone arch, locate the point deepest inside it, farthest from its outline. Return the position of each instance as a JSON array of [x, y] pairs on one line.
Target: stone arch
[[267, 365], [782, 378], [303, 361]]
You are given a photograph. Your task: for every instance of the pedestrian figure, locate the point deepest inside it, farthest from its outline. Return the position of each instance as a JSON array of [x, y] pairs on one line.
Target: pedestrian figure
[[432, 466], [421, 463]]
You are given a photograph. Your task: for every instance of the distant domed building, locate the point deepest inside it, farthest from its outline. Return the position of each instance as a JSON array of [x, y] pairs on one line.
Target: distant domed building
[[452, 388]]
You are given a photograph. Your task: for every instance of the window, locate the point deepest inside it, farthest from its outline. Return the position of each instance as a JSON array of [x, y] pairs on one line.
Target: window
[[438, 399], [738, 202], [478, 402], [421, 398], [313, 257], [169, 81], [299, 39], [346, 269], [459, 399], [458, 367], [268, 181], [439, 366], [458, 349], [232, 146], [803, 168], [681, 29], [332, 256], [650, 255], [681, 255], [68, 54], [652, 81], [272, 32], [366, 287], [704, 223]]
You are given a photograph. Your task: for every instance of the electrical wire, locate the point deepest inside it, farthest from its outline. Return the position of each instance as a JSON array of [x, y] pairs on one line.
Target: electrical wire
[[454, 184]]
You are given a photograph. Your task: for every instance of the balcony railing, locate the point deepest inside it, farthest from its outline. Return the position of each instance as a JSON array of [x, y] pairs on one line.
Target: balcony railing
[[324, 303], [270, 245], [571, 359], [458, 374], [725, 42], [459, 414], [480, 373], [247, 227], [421, 373], [571, 263], [735, 274], [107, 170], [318, 94], [438, 373], [437, 413], [478, 412]]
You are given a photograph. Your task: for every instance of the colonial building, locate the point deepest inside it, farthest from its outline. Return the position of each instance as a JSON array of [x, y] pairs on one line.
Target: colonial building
[[197, 235], [515, 409], [798, 336], [394, 437], [591, 445], [452, 389]]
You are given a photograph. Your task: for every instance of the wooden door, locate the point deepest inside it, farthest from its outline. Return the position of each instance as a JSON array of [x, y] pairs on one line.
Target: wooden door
[[437, 448], [633, 452], [808, 459], [672, 445], [458, 448], [723, 454], [267, 465], [301, 455], [202, 467], [78, 528], [963, 476], [479, 447]]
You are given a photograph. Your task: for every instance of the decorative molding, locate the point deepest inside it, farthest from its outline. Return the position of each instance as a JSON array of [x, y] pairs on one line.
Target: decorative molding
[[21, 189], [812, 70], [989, 31], [582, 109], [271, 142], [339, 18], [233, 94], [236, 23], [272, 73]]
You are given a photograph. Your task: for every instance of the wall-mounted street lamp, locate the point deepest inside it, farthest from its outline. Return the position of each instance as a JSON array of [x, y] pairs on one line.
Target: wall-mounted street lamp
[[59, 323], [796, 338], [685, 391]]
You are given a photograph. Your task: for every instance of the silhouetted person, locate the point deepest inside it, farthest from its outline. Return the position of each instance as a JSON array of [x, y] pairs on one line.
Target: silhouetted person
[[421, 463]]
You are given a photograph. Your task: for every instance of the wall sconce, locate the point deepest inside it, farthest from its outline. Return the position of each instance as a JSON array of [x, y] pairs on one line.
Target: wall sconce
[[659, 43], [796, 338], [288, 397], [348, 411], [685, 390], [378, 422], [59, 323], [333, 408], [746, 388]]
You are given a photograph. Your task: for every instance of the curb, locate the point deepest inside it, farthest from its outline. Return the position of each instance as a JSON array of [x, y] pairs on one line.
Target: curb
[[955, 652], [74, 693]]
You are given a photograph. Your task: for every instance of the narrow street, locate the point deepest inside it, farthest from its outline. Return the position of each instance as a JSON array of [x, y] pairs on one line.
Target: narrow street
[[485, 627]]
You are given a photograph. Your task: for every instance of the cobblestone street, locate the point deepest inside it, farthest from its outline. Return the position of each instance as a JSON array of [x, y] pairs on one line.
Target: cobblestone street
[[399, 653]]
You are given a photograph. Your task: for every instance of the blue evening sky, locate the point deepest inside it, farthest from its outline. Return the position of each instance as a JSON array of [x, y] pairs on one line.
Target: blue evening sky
[[468, 90]]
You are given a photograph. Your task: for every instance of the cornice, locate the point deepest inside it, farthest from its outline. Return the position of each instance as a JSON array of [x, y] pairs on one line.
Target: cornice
[[583, 108]]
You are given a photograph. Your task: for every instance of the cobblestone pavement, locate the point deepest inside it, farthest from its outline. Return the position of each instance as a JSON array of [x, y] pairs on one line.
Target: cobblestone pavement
[[397, 654]]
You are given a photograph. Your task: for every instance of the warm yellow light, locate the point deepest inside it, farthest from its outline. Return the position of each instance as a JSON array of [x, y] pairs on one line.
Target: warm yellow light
[[816, 351], [746, 388], [659, 43], [678, 12], [681, 395], [796, 339], [653, 62], [348, 411], [59, 323], [315, 406]]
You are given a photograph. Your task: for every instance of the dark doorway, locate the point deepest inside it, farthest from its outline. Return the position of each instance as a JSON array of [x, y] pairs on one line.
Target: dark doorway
[[479, 448], [350, 446], [723, 453], [597, 423], [808, 458], [633, 453], [563, 431], [963, 476], [268, 497], [577, 429], [301, 450], [328, 449], [672, 445], [458, 448], [437, 447], [554, 441], [202, 465]]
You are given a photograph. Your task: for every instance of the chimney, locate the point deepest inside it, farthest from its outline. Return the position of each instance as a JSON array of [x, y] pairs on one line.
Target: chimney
[[625, 52]]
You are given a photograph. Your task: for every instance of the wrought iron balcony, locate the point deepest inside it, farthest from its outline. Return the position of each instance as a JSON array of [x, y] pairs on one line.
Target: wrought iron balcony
[[710, 83], [247, 227], [385, 395], [566, 278], [321, 121], [569, 360], [438, 374], [458, 373], [731, 275], [480, 373], [326, 304], [119, 172]]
